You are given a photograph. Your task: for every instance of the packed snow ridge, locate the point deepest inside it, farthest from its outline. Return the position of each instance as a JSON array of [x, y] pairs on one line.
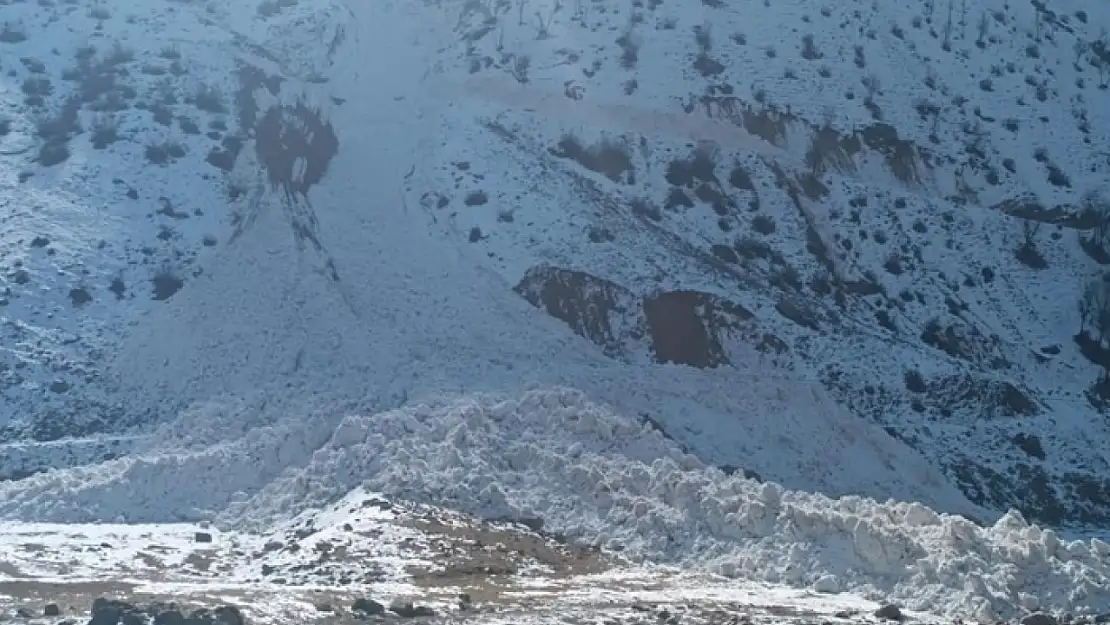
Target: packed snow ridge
[[598, 478]]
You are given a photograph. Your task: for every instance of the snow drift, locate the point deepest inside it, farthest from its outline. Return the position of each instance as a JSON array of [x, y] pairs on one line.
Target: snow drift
[[596, 477]]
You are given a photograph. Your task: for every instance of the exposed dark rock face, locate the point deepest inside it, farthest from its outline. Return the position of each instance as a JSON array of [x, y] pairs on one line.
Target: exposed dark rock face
[[685, 327], [700, 330], [593, 307], [1053, 498], [682, 327]]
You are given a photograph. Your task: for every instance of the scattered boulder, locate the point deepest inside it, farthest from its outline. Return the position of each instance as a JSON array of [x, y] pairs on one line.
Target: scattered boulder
[[79, 296], [889, 612], [111, 612], [51, 609], [229, 615], [115, 612], [368, 607], [406, 609], [203, 537], [1030, 444]]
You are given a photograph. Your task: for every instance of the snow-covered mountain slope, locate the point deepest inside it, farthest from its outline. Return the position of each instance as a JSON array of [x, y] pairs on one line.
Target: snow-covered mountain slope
[[313, 295], [899, 204], [227, 228]]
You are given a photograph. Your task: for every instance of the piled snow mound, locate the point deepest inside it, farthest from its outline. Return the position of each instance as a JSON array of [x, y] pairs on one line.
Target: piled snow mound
[[594, 475], [600, 478]]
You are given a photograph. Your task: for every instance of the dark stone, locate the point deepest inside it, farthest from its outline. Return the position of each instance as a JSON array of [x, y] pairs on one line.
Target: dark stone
[[203, 537], [368, 606], [1039, 618], [889, 612], [79, 296], [725, 253], [533, 523], [169, 617], [109, 611], [1030, 444], [166, 285], [407, 610], [229, 615], [51, 609]]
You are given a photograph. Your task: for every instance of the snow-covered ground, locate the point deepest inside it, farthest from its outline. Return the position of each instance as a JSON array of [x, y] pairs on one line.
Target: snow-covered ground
[[367, 548], [257, 258], [589, 475]]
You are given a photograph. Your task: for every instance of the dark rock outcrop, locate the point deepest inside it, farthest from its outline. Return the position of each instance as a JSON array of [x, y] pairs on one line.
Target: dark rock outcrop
[[593, 307], [683, 327]]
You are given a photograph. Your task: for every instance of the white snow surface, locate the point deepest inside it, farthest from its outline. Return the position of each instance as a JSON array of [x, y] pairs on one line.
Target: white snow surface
[[598, 478], [420, 375], [413, 314]]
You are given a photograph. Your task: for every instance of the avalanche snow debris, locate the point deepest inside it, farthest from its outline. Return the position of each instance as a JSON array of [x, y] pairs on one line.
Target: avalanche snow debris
[[605, 480]]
